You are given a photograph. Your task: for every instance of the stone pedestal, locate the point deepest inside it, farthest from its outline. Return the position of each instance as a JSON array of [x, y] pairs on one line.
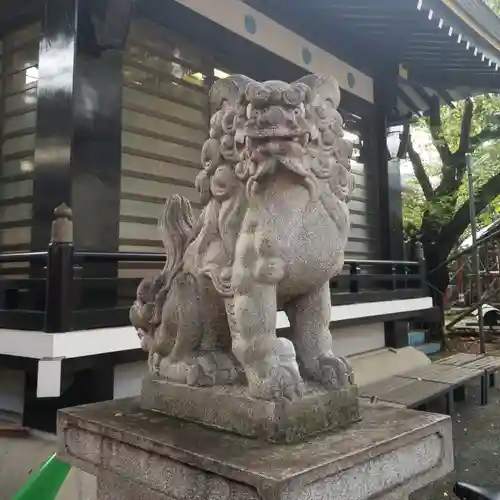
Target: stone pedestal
[[231, 408], [143, 455]]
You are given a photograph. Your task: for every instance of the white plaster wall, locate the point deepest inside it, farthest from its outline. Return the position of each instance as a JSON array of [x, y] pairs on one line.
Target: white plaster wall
[[351, 340], [11, 391], [40, 345], [128, 378]]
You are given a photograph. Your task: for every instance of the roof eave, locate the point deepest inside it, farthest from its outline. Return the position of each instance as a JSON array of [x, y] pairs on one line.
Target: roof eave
[[473, 20]]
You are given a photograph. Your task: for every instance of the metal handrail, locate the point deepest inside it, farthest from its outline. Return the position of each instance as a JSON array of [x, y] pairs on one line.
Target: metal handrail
[[23, 256], [89, 256], [160, 257], [349, 262], [65, 293], [119, 256]]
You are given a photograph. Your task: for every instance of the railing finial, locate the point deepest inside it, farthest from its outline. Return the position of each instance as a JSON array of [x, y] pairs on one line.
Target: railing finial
[[62, 226]]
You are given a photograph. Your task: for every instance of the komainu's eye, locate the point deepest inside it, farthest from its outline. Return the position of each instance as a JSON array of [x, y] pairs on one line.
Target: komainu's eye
[[300, 110], [292, 96], [257, 93]]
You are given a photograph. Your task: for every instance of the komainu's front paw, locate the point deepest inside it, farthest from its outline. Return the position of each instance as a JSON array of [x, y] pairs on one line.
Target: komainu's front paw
[[281, 383], [335, 372], [282, 380]]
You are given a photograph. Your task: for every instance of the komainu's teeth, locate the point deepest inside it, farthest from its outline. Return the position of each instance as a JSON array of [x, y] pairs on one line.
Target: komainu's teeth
[[239, 136], [249, 111]]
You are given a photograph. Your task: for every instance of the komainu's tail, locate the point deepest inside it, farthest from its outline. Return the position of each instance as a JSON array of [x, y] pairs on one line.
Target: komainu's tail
[[176, 230]]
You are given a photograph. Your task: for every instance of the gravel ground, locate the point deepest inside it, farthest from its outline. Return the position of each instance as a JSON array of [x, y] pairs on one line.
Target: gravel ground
[[476, 439]]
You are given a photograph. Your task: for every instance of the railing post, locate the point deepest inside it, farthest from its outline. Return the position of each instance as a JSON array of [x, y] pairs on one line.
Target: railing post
[[394, 279], [59, 291], [354, 277], [419, 254]]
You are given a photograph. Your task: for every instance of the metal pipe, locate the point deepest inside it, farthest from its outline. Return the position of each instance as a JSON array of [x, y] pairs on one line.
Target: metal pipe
[[23, 256], [87, 256], [475, 253]]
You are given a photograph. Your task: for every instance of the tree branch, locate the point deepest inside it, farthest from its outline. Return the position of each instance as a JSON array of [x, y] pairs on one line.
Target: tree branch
[[455, 228], [403, 141], [453, 164], [437, 133], [416, 161], [465, 127]]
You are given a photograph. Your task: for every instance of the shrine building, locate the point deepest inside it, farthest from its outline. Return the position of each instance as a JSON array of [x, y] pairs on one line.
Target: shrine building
[[104, 107]]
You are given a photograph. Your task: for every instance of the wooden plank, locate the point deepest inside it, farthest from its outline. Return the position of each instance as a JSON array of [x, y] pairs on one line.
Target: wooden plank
[[473, 361], [407, 392], [387, 385], [445, 374], [459, 359], [486, 363]]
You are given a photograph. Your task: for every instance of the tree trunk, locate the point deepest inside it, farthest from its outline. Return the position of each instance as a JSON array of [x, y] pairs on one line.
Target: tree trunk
[[438, 278]]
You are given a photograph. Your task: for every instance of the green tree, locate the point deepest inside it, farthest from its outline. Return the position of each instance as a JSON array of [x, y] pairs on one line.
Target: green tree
[[436, 204], [494, 5]]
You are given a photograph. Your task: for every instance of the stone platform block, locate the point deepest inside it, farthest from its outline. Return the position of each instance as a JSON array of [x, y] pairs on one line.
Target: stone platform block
[[143, 455], [232, 409]]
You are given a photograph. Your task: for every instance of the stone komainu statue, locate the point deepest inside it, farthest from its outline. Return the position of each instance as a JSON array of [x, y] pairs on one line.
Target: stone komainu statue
[[274, 184]]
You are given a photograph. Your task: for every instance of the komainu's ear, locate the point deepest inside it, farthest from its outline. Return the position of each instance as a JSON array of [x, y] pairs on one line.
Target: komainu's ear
[[227, 90], [323, 86]]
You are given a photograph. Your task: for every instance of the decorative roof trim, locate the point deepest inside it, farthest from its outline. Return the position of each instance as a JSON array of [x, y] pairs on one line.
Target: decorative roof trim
[[490, 60], [470, 21], [249, 23], [482, 14]]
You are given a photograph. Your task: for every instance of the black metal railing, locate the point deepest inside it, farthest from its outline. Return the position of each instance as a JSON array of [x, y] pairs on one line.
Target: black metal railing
[[64, 294]]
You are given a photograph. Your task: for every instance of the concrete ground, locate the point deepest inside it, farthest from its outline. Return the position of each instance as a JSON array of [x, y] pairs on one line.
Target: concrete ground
[[476, 432], [476, 440], [19, 456]]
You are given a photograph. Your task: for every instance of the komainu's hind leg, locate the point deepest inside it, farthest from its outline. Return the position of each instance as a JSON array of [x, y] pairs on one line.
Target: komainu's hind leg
[[180, 332], [309, 317], [196, 314]]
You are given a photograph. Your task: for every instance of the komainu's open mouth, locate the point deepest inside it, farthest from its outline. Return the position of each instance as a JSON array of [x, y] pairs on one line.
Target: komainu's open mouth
[[267, 137]]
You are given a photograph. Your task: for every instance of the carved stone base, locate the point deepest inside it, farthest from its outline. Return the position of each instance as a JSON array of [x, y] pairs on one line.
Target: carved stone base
[[231, 408], [138, 454]]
